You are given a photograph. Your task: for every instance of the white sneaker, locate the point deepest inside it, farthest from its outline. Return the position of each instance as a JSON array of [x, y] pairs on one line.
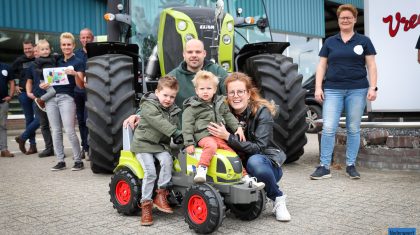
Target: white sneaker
[[247, 180], [200, 177], [280, 209]]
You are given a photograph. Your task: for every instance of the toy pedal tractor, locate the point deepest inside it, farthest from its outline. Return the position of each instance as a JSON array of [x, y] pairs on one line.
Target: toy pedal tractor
[[203, 205]]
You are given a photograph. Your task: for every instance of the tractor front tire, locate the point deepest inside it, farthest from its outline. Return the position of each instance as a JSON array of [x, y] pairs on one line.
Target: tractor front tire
[[277, 78], [249, 211], [203, 208], [110, 100], [125, 192]]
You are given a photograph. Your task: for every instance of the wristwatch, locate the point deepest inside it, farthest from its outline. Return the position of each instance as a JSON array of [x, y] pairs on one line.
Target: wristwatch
[[374, 88]]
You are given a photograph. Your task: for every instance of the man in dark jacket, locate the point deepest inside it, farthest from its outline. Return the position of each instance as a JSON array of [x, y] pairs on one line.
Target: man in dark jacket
[[194, 61], [20, 68]]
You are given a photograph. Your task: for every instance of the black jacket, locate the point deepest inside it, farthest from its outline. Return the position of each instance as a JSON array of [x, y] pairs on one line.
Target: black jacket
[[258, 131]]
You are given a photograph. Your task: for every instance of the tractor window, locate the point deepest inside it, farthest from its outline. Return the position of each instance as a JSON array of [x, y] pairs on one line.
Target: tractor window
[[249, 33], [145, 20]]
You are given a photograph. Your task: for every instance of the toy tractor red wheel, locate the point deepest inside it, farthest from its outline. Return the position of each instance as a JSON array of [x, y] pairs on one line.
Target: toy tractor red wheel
[[203, 208], [249, 211], [125, 192]]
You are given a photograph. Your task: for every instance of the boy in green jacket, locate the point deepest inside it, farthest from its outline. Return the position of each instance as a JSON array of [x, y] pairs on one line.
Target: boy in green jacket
[[158, 123], [199, 111]]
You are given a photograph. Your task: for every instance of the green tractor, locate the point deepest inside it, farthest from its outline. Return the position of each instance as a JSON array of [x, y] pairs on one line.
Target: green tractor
[[150, 38]]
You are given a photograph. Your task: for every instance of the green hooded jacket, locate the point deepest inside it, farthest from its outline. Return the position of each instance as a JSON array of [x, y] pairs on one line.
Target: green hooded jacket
[[184, 77], [156, 126], [198, 114]]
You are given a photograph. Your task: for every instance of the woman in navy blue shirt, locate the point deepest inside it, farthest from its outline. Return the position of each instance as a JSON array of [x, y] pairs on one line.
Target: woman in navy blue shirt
[[344, 59], [61, 109]]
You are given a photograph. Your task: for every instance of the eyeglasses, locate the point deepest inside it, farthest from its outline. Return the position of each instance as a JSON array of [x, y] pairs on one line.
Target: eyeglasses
[[239, 93], [345, 18]]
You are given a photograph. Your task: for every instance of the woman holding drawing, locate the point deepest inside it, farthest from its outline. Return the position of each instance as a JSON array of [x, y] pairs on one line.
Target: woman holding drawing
[[61, 109]]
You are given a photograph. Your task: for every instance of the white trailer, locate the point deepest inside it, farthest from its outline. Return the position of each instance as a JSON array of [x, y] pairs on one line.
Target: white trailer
[[394, 27]]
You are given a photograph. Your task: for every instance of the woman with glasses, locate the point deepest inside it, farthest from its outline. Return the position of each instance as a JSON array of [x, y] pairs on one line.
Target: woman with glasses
[[345, 61], [261, 160]]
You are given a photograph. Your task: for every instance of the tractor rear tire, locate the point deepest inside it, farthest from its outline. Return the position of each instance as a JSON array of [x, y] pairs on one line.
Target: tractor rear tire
[[249, 211], [125, 192], [277, 78], [110, 100], [203, 208]]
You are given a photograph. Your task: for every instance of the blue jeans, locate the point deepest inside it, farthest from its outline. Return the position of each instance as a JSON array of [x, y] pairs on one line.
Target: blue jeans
[[61, 110], [31, 122], [260, 167], [354, 102], [147, 161], [81, 113]]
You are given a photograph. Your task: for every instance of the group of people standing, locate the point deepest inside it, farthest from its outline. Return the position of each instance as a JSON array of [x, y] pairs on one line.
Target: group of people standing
[[341, 82], [48, 106]]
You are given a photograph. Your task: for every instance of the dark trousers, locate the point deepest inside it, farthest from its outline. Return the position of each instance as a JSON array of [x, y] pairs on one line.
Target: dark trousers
[[31, 122], [45, 128], [81, 113]]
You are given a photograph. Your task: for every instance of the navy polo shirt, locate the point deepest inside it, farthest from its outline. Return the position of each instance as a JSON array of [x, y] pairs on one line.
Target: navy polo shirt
[[5, 76], [34, 76], [346, 61], [80, 53], [78, 65]]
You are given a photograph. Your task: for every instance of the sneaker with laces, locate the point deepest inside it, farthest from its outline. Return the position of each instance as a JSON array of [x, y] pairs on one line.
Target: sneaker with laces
[[253, 181], [280, 209], [321, 172], [200, 177], [59, 166], [352, 172], [77, 166]]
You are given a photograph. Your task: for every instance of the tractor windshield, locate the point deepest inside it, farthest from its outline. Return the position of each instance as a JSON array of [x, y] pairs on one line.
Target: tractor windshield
[[246, 33], [145, 20]]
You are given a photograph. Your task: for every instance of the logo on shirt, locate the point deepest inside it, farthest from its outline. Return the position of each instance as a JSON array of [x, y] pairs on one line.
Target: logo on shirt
[[4, 72], [358, 49]]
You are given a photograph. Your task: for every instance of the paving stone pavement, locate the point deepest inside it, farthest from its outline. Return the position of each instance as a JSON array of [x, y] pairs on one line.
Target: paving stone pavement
[[35, 200]]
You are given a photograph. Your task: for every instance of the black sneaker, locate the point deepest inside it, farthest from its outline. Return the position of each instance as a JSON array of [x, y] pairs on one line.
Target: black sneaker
[[352, 173], [77, 166], [321, 172], [46, 153], [59, 166]]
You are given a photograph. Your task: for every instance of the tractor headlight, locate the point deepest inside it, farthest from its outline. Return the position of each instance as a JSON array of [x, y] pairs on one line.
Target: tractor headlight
[[189, 37], [229, 26], [226, 39], [226, 66], [182, 25]]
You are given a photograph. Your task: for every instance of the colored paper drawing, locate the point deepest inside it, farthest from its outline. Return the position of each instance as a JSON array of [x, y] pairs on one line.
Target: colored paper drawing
[[55, 76]]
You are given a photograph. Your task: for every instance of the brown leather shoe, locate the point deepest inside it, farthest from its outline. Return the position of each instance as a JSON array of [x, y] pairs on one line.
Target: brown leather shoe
[[146, 213], [161, 202], [32, 149], [40, 103], [21, 143], [6, 153]]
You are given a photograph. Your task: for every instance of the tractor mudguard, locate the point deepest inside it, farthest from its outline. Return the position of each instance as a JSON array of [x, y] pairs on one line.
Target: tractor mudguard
[[252, 49], [128, 160]]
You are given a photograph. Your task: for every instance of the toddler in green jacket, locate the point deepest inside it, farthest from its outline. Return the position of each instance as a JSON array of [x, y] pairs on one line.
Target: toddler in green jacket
[[158, 123], [199, 111]]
